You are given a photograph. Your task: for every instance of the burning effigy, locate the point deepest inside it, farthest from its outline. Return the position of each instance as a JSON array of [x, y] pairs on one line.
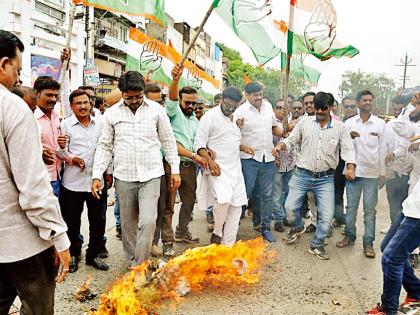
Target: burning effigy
[[142, 291]]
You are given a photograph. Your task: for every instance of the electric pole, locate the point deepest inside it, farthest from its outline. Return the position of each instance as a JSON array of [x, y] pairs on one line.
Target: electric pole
[[405, 63]]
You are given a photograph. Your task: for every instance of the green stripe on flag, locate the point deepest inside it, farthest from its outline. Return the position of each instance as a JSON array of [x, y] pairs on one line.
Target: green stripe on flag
[[216, 3]]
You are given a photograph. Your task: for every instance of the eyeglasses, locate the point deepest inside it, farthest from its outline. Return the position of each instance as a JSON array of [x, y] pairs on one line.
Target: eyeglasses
[[349, 106], [188, 103], [297, 108]]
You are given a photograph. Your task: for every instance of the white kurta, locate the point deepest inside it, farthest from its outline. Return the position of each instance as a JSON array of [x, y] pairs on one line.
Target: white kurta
[[218, 133]]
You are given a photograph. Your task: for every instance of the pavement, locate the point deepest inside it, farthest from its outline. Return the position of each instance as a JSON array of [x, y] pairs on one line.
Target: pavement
[[297, 283]]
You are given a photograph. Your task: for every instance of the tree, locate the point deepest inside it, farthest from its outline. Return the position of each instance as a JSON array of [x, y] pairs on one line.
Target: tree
[[272, 79], [382, 87]]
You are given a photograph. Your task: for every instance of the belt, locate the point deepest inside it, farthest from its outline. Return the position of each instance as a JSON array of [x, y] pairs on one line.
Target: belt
[[316, 174]]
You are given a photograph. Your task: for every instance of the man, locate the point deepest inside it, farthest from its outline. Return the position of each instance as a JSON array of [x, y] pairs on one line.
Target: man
[[47, 91], [258, 124], [153, 92], [218, 132], [308, 102], [409, 108], [90, 90], [402, 238], [320, 139], [199, 108], [367, 132], [81, 133], [27, 94], [350, 107], [285, 164], [184, 125], [32, 230], [217, 99], [134, 132]]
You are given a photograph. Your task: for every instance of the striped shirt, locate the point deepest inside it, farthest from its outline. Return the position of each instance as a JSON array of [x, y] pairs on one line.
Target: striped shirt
[[136, 141], [319, 147], [286, 161]]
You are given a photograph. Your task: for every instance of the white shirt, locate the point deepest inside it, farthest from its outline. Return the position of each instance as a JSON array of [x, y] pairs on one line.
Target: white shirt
[[220, 134], [136, 141], [402, 164], [406, 111], [319, 147], [411, 206], [82, 144], [370, 146], [256, 130]]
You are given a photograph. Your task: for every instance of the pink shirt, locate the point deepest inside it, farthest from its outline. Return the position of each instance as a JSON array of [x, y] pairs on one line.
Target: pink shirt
[[49, 130]]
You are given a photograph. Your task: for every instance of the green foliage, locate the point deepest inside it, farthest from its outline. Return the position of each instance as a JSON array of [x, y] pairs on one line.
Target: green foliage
[[382, 87], [273, 80]]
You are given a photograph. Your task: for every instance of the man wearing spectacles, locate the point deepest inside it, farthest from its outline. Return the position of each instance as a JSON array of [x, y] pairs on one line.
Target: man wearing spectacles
[[199, 109], [350, 107]]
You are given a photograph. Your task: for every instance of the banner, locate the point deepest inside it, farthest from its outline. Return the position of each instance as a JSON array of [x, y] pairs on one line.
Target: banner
[[150, 56]]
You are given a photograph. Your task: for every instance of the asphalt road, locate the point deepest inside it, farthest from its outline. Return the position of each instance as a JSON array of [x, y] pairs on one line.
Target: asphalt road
[[297, 283]]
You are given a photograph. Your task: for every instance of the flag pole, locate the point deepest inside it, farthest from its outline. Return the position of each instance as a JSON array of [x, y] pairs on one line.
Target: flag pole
[[199, 30], [289, 51]]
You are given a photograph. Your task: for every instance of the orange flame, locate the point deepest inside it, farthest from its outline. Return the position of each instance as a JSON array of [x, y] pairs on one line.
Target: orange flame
[[214, 265]]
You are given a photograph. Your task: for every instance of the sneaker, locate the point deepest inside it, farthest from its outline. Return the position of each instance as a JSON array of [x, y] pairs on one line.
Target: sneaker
[[378, 310], [186, 238], [118, 232], [294, 233], [409, 306], [319, 252], [210, 218], [156, 250], [268, 236], [215, 239], [278, 226], [311, 228], [168, 249]]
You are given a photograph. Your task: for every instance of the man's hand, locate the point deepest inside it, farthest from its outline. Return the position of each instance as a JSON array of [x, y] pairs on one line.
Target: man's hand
[[390, 158], [354, 135], [63, 140], [109, 179], [96, 188], [382, 181], [48, 156], [350, 172], [280, 147], [65, 55], [63, 258], [240, 122], [200, 161], [211, 153], [175, 181], [79, 163], [177, 72], [414, 147], [214, 169], [246, 149]]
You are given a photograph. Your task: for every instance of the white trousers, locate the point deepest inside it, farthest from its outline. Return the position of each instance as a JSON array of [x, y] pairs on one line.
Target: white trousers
[[226, 222]]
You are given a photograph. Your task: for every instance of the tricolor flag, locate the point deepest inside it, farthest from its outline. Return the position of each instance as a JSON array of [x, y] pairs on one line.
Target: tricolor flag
[[152, 9], [253, 22], [152, 57], [312, 38]]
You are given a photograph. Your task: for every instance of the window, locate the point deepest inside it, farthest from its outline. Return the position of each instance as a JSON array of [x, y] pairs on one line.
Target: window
[[51, 12]]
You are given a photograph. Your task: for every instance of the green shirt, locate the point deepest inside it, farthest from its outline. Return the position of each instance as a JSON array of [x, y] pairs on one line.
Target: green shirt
[[183, 126]]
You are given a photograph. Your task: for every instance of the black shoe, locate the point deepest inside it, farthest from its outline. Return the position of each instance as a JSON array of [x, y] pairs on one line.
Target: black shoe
[[74, 264], [103, 253], [294, 233], [98, 263], [278, 226], [319, 252], [215, 239], [210, 218], [186, 238], [118, 232], [311, 228]]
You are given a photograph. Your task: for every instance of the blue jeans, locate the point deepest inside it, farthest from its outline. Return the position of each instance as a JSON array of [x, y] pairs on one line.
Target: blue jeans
[[259, 177], [117, 210], [402, 238], [396, 192], [280, 192], [369, 186], [323, 188], [56, 187]]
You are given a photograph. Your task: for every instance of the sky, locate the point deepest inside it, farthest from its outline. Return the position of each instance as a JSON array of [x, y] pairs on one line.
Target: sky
[[383, 31]]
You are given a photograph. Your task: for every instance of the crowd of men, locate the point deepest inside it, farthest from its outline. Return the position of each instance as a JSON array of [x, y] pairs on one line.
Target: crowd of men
[[282, 163]]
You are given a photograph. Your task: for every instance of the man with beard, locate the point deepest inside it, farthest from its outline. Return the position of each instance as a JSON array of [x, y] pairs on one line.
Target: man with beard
[[47, 92], [218, 132], [81, 133], [367, 132], [184, 124], [135, 130], [320, 139]]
